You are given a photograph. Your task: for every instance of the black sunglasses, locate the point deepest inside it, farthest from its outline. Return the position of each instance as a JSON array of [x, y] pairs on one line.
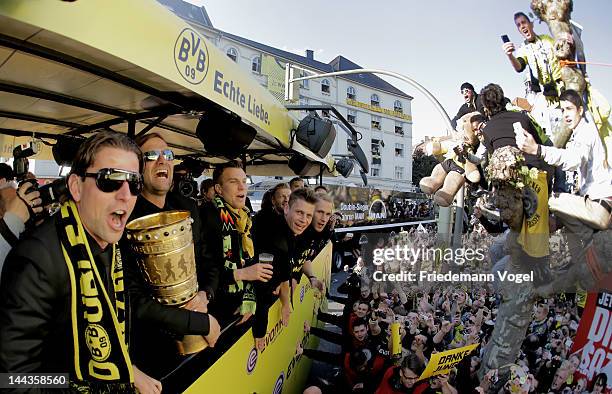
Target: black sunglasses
[[110, 180], [153, 155]]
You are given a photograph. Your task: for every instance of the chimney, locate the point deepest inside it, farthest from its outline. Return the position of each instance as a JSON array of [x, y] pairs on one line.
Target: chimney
[[309, 54]]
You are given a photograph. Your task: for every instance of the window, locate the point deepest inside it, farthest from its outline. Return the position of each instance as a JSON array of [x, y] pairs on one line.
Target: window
[[399, 172], [374, 100], [232, 53], [351, 116], [325, 113], [399, 150], [256, 64], [397, 106], [375, 171], [376, 122], [325, 86], [376, 159], [399, 128], [305, 83], [350, 93]]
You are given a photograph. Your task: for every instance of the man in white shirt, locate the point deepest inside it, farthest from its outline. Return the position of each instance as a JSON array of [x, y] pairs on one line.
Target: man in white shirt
[[589, 211]]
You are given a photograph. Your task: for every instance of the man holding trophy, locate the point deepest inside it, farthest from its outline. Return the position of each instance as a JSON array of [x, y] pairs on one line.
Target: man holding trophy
[[163, 242]]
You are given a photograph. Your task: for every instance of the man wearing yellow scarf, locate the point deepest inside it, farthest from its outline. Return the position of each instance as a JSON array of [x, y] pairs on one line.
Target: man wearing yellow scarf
[[228, 248], [63, 305]]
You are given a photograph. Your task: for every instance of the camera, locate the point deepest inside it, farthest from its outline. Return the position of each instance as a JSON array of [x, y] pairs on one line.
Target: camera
[[380, 314], [184, 173], [50, 193], [53, 192], [184, 183], [21, 164], [187, 186]]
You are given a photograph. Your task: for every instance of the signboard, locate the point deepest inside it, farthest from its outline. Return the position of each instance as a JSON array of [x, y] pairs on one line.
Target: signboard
[[375, 108], [593, 341], [362, 206], [441, 363], [156, 48], [278, 368], [275, 72]]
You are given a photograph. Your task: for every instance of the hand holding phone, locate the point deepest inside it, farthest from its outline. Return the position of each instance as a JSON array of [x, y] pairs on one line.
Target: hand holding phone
[[507, 46], [518, 133]]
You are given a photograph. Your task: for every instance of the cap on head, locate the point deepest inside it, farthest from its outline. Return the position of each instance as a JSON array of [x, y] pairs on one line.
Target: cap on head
[[467, 85]]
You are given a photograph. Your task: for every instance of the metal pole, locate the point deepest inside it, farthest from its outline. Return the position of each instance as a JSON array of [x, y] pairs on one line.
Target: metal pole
[[458, 230], [404, 78]]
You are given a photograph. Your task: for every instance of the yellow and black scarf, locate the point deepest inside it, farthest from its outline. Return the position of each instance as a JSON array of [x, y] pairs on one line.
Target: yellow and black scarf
[[101, 359], [237, 220]]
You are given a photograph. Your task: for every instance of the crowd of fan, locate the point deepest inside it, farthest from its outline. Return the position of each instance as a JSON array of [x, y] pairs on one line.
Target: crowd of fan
[[438, 318]]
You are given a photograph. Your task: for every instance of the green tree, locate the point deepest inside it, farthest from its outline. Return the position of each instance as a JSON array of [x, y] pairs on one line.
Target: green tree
[[422, 165]]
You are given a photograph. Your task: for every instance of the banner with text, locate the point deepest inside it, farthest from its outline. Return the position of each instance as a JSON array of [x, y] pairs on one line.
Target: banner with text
[[593, 342]]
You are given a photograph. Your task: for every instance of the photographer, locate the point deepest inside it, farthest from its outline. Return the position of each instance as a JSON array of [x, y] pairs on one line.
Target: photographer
[[207, 191], [16, 208]]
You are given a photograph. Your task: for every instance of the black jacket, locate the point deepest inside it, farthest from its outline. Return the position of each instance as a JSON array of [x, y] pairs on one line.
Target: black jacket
[[35, 321], [271, 235], [315, 241], [156, 326], [466, 109], [499, 132], [274, 236], [214, 277]]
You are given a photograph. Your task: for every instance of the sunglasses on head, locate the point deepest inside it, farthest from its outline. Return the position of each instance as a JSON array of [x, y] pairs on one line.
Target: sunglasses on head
[[153, 155], [110, 180]]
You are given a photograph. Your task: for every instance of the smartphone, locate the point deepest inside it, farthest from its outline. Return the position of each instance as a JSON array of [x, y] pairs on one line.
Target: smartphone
[[505, 38]]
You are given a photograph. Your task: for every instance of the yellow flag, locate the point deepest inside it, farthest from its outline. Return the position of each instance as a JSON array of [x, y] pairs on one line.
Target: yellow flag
[[443, 362]]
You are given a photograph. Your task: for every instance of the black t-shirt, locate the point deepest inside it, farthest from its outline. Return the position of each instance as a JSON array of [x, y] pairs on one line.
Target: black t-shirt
[[467, 108], [499, 132], [273, 236], [156, 323]]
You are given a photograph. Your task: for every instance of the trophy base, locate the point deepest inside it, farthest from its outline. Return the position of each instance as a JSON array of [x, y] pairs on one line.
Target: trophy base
[[191, 344]]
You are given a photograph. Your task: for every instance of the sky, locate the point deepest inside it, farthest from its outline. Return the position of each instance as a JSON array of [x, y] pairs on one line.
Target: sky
[[440, 44]]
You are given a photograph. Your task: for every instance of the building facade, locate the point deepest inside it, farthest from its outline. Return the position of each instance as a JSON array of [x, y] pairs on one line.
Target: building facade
[[380, 112]]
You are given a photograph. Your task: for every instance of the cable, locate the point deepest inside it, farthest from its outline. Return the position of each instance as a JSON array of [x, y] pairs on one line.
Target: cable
[[564, 63]]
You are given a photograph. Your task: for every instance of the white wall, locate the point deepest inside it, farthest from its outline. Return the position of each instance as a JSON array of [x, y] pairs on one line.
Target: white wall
[[337, 97]]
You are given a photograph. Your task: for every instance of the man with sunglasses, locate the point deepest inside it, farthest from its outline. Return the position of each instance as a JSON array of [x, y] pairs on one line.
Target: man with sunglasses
[[63, 302], [471, 102], [156, 323]]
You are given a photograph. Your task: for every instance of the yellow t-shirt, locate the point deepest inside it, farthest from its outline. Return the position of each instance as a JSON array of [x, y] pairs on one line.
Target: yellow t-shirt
[[540, 56]]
